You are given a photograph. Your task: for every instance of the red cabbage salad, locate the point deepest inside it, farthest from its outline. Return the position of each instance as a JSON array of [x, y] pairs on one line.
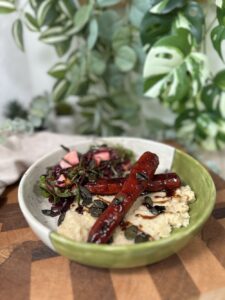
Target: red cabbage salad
[[65, 182]]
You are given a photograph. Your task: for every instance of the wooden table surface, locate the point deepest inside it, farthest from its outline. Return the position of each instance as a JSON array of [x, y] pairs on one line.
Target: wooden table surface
[[29, 270]]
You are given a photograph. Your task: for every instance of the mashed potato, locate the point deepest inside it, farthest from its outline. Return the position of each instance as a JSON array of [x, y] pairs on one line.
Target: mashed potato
[[77, 226]]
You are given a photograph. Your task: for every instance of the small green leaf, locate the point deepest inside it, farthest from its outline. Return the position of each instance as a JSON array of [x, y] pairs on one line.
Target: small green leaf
[[34, 3], [221, 15], [7, 7], [166, 6], [114, 77], [59, 90], [210, 96], [97, 65], [194, 13], [72, 59], [17, 31], [63, 47], [121, 37], [78, 88], [93, 33], [58, 70], [125, 59], [218, 36], [220, 3], [105, 3], [181, 41], [88, 101], [68, 7], [52, 31], [107, 23], [53, 35], [31, 22], [138, 10], [43, 11], [82, 16], [154, 27], [220, 80]]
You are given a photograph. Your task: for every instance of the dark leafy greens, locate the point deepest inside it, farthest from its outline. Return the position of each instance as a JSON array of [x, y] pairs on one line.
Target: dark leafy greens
[[61, 196]]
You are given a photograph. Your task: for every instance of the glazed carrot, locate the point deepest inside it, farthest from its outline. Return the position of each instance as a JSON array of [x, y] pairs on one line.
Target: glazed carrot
[[136, 183], [167, 181]]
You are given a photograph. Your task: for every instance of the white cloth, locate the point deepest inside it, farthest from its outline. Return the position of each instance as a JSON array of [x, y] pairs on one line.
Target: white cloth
[[19, 152]]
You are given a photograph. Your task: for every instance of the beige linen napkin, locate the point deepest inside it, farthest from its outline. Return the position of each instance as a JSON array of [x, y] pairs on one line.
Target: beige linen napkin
[[19, 152]]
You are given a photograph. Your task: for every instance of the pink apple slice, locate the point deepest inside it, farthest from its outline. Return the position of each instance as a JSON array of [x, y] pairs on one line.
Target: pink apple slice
[[101, 156], [72, 158]]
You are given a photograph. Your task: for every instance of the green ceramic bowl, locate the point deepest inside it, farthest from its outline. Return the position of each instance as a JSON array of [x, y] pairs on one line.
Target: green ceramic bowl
[[108, 256]]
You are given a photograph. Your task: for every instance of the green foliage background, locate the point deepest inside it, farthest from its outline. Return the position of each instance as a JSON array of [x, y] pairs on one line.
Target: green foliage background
[[112, 53]]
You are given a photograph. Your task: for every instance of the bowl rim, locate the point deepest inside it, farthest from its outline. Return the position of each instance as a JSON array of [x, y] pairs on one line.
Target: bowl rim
[[115, 248]]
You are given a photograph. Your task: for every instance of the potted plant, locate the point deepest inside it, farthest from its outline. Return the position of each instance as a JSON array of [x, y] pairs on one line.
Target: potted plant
[[117, 56]]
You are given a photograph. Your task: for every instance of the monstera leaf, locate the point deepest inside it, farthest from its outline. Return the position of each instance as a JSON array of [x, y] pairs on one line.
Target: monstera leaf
[[213, 95], [172, 72]]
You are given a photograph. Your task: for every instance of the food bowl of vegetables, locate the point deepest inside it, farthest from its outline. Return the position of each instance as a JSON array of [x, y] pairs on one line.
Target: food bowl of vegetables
[[116, 202]]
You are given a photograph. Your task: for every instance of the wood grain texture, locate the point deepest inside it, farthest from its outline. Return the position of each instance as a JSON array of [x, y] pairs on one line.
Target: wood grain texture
[[91, 283], [15, 273], [213, 235], [220, 199], [134, 284], [196, 256], [29, 270], [171, 278], [11, 217], [50, 279]]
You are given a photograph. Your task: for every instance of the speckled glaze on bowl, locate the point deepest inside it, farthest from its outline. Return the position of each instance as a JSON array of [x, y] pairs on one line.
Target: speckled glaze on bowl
[[191, 171]]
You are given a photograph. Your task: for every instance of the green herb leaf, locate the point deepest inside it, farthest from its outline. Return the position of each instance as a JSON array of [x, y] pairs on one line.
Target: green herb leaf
[[100, 204], [42, 182], [17, 31], [7, 7], [141, 238], [44, 193], [95, 211], [61, 218], [141, 176], [131, 232], [85, 195], [125, 59], [49, 213]]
